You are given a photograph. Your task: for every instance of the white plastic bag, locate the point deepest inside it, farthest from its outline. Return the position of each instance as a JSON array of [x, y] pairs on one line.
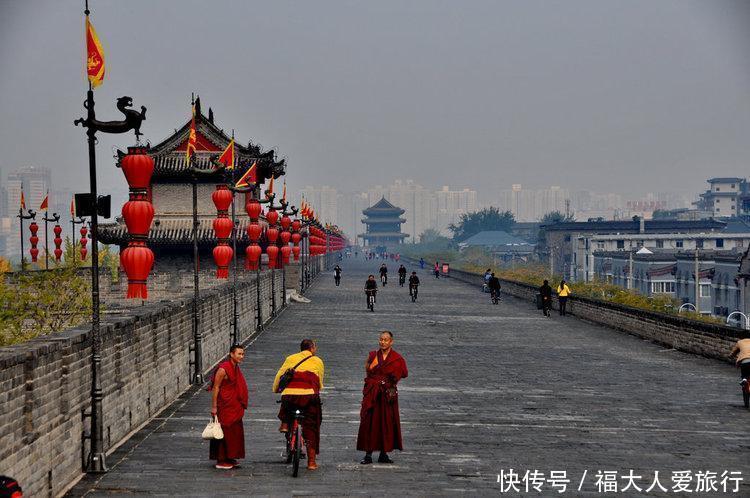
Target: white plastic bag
[[213, 430]]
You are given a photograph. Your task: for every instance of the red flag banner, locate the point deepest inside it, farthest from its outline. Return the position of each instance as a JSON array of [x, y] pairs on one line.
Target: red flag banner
[[94, 56], [192, 139], [247, 178], [23, 200], [45, 203], [227, 157], [72, 207]]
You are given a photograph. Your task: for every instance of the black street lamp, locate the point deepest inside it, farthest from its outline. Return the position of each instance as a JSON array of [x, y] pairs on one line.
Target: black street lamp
[[55, 218], [133, 119]]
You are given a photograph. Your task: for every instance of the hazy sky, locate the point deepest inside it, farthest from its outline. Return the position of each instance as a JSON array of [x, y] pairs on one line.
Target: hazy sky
[[629, 96]]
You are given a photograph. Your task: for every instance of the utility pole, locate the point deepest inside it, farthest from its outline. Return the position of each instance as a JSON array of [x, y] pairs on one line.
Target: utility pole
[[697, 282]]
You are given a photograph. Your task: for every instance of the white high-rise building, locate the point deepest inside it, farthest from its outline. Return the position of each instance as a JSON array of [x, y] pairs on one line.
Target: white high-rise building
[[532, 205], [324, 200]]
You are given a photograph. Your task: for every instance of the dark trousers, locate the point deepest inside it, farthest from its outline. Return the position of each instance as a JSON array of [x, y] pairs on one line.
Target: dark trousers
[[310, 406], [563, 303], [745, 370], [546, 305]]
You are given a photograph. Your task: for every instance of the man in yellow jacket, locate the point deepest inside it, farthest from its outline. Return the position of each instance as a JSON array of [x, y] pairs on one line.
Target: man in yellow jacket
[[741, 352], [303, 394], [563, 291]]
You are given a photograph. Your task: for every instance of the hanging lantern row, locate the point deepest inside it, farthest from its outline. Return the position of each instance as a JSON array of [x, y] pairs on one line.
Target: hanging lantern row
[[84, 241], [296, 237], [58, 242], [33, 228], [137, 259], [252, 251], [223, 253]]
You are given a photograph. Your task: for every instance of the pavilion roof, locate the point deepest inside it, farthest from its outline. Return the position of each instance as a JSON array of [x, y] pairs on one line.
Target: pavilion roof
[[382, 207], [169, 154]]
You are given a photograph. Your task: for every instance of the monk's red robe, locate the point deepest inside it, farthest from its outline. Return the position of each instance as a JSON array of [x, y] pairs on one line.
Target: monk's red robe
[[231, 405], [380, 425]]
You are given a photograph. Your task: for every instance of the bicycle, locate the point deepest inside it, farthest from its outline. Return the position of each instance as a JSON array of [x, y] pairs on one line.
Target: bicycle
[[401, 279], [413, 289], [294, 442], [370, 300], [383, 279], [494, 296]]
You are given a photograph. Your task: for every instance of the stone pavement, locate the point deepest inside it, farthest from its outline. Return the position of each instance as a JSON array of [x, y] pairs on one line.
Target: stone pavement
[[490, 388]]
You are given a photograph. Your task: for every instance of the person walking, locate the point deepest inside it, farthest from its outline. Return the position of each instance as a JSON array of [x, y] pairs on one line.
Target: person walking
[[303, 394], [436, 269], [380, 424], [563, 291], [421, 263], [228, 403], [337, 275], [546, 292]]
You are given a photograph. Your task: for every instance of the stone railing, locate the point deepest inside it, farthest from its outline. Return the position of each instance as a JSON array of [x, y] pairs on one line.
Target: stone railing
[[45, 383], [692, 336]]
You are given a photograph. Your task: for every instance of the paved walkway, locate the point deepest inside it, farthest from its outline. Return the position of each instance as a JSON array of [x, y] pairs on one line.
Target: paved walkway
[[490, 388]]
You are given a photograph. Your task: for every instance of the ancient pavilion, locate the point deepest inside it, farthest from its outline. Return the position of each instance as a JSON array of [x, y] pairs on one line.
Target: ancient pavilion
[[171, 236], [383, 221]]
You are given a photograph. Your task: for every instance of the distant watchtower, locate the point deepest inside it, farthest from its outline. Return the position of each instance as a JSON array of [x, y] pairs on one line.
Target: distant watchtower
[[383, 222]]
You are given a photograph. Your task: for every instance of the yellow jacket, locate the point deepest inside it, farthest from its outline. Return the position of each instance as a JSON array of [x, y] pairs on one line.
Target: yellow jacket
[[563, 291], [741, 350], [313, 365]]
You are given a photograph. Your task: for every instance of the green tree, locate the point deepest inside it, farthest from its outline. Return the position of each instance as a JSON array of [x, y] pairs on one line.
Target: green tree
[[487, 219], [33, 303]]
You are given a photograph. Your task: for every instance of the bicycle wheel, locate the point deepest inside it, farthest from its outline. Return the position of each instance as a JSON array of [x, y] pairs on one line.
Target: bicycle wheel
[[746, 398], [288, 448], [296, 452]]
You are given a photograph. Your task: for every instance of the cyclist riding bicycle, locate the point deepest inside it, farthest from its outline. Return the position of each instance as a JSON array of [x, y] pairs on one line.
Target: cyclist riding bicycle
[[303, 394], [413, 282], [383, 274], [337, 275], [494, 286], [401, 275], [371, 287], [486, 278], [741, 351]]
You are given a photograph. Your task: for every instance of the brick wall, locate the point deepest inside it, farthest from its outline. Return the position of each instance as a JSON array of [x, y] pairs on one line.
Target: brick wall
[[706, 339], [45, 382]]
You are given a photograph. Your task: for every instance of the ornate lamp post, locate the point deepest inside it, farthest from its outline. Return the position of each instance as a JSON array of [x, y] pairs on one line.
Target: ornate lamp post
[[21, 217], [56, 219], [133, 119]]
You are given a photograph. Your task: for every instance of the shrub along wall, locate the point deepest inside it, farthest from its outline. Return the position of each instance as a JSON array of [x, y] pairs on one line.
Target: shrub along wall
[[691, 336], [45, 383]]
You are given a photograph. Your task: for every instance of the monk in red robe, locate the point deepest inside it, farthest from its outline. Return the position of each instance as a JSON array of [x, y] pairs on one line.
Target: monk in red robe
[[380, 425], [229, 402]]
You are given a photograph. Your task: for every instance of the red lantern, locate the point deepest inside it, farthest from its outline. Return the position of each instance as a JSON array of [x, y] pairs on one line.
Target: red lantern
[[285, 222], [138, 167], [34, 253], [83, 243], [296, 225], [296, 238], [137, 261], [295, 251], [285, 252], [253, 231], [271, 234], [33, 228], [223, 228], [57, 230], [285, 236], [272, 217], [84, 231], [273, 253], [253, 209], [222, 198], [138, 213], [222, 257], [58, 254], [252, 256]]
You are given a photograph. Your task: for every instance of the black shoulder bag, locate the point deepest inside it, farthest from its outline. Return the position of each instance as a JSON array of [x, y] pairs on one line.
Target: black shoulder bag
[[287, 376]]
